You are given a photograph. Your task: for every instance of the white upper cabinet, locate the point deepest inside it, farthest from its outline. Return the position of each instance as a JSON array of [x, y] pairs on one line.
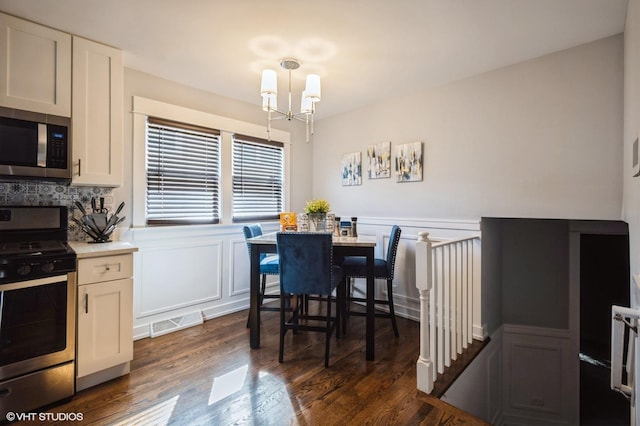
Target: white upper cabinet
[[35, 67], [97, 134]]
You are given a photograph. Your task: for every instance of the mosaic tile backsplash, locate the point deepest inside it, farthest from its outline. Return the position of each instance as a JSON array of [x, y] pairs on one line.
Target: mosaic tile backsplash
[[40, 193]]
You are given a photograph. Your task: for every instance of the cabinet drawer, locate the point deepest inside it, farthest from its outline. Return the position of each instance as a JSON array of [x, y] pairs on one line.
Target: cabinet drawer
[[106, 268]]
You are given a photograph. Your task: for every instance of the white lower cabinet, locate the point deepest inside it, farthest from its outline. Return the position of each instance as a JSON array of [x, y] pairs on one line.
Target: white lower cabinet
[[105, 318]]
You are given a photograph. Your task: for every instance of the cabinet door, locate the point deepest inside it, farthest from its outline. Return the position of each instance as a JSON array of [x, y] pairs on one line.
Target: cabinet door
[[97, 114], [105, 325], [35, 67]]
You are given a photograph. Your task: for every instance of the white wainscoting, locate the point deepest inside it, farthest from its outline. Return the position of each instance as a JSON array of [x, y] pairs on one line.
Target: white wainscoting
[[187, 269], [179, 275], [180, 270]]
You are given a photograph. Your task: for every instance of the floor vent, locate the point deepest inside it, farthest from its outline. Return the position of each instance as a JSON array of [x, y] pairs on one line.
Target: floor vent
[[159, 328]]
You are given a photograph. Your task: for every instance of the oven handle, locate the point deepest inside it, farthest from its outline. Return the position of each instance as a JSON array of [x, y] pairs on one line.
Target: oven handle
[[33, 283]]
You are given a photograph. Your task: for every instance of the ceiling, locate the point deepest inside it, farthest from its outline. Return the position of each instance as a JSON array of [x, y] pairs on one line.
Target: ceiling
[[364, 50]]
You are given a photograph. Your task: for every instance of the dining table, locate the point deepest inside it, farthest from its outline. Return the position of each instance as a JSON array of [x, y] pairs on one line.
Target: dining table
[[361, 246]]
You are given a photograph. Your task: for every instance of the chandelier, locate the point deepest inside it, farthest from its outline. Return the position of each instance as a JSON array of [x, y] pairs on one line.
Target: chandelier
[[310, 95]]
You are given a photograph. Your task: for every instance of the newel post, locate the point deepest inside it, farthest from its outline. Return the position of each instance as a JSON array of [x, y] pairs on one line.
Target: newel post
[[424, 367]]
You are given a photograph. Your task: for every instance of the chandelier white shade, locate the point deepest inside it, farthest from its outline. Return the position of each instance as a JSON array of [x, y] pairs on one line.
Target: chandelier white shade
[[312, 88], [306, 104], [269, 84], [310, 95]]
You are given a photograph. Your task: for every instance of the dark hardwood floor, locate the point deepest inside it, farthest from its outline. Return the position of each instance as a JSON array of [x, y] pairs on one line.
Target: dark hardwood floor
[[208, 375]]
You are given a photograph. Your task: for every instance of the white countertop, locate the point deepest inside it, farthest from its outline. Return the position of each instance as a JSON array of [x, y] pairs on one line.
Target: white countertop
[[84, 250]]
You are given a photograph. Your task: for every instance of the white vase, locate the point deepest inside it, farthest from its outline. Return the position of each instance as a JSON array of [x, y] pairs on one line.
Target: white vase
[[317, 222]]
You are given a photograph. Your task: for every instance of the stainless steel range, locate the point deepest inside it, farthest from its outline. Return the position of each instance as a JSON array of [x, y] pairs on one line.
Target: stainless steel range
[[37, 308]]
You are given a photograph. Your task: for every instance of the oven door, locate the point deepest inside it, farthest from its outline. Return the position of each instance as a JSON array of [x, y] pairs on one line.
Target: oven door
[[37, 324]]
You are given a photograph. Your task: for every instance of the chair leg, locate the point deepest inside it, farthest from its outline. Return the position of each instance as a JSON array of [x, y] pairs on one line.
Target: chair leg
[[263, 287], [328, 332], [341, 294], [392, 312], [341, 306], [283, 330], [297, 311], [349, 292]]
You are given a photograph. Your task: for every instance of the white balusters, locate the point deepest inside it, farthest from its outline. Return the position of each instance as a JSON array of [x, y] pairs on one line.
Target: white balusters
[[445, 274]]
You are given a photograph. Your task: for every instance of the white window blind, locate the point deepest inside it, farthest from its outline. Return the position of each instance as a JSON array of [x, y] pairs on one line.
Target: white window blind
[[258, 178], [183, 173]]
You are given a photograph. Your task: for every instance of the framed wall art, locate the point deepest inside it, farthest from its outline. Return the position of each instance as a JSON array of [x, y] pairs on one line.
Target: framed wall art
[[409, 162], [379, 160], [352, 169]]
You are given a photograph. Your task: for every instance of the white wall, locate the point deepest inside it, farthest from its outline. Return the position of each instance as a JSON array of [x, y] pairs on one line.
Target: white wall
[[631, 208], [537, 139]]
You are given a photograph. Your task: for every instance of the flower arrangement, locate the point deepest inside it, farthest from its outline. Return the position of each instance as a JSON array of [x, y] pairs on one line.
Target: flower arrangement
[[318, 206]]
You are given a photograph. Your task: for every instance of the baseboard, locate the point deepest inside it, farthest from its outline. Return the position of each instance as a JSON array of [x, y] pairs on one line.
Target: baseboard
[[102, 376]]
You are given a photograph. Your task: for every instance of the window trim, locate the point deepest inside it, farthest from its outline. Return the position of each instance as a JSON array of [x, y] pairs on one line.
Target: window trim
[[144, 107]]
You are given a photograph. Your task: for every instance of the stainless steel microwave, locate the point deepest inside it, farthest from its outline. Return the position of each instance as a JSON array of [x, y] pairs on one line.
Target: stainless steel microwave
[[34, 145]]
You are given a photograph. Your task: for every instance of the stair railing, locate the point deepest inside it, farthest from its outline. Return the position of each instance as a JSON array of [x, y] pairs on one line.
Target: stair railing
[[449, 285]]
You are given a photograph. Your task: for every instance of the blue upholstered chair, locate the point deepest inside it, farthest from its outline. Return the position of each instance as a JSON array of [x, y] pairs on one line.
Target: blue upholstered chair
[[355, 267], [306, 269], [268, 266]]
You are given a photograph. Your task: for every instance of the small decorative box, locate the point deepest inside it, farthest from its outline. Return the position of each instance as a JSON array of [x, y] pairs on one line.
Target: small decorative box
[[303, 222], [288, 221]]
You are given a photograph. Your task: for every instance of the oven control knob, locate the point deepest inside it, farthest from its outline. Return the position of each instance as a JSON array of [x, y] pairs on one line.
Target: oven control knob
[[24, 269], [47, 267]]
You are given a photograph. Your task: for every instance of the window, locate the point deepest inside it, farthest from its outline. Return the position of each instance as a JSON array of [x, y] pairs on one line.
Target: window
[[258, 178], [183, 173], [158, 202]]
